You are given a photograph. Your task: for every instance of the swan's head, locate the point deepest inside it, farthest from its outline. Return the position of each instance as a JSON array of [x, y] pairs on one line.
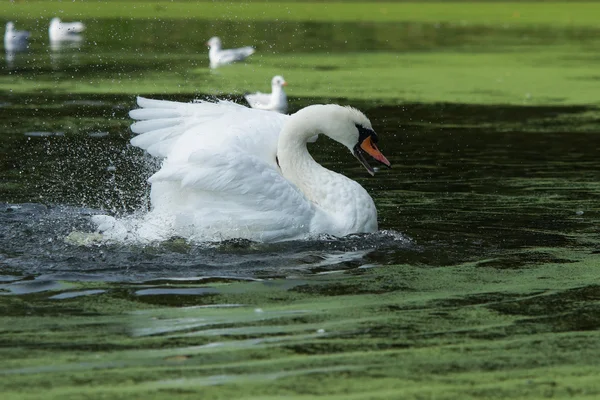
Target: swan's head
[[345, 125], [353, 129], [55, 21], [278, 81], [11, 26], [214, 42]]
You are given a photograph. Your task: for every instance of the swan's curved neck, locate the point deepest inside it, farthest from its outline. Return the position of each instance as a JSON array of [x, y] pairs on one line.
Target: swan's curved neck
[[296, 163]]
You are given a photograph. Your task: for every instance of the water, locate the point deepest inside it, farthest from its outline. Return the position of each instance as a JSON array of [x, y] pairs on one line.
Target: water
[[454, 193], [484, 270]]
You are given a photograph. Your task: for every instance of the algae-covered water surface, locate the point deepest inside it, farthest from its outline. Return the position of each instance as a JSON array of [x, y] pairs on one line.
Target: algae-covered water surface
[[483, 281]]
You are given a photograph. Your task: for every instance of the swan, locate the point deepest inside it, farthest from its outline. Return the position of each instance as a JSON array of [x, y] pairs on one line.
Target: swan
[[275, 101], [14, 40], [219, 57], [229, 171], [59, 30]]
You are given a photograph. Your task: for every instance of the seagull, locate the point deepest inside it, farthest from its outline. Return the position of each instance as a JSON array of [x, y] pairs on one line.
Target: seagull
[[63, 31], [219, 57], [15, 40], [274, 101]]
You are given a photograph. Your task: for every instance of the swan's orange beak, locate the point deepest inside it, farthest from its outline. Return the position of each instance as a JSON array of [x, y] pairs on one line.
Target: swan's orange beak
[[284, 84], [367, 146], [371, 149]]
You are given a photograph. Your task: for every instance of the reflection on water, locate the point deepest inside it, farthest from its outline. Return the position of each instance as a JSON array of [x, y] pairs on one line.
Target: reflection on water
[[11, 55], [66, 54], [71, 42]]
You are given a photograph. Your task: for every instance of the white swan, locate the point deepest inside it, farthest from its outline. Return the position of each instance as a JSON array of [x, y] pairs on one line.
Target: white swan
[[15, 40], [274, 101], [64, 31], [229, 171], [219, 57]]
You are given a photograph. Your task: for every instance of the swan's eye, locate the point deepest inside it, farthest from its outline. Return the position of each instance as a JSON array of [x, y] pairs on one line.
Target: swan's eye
[[364, 133]]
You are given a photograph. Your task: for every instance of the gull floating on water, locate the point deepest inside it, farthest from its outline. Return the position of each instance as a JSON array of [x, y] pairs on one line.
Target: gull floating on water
[[64, 31], [14, 40], [274, 101], [219, 57]]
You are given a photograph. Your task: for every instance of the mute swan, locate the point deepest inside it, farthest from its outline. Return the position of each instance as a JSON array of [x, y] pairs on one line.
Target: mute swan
[[229, 171], [59, 30], [274, 101], [14, 40], [219, 57]]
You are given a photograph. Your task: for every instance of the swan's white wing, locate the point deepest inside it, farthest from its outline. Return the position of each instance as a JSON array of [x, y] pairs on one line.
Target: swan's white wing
[[220, 175], [176, 130], [258, 99]]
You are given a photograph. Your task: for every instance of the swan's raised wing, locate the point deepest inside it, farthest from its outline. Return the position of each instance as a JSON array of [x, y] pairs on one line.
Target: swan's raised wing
[[176, 130], [220, 171]]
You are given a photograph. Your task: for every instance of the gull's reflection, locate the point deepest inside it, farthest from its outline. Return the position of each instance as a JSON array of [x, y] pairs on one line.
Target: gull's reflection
[[11, 55], [73, 42], [64, 52]]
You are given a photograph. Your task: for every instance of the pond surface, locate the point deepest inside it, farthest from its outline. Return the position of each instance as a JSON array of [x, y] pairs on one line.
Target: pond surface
[[484, 274]]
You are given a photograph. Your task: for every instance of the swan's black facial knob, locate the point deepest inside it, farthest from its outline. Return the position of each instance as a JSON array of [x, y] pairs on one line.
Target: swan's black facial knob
[[364, 133]]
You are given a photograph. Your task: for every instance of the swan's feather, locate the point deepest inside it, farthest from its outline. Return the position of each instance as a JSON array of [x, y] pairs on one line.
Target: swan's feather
[[149, 113], [150, 125], [161, 123]]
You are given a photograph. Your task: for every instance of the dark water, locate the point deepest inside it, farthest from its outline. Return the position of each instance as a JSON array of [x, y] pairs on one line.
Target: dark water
[[467, 183]]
